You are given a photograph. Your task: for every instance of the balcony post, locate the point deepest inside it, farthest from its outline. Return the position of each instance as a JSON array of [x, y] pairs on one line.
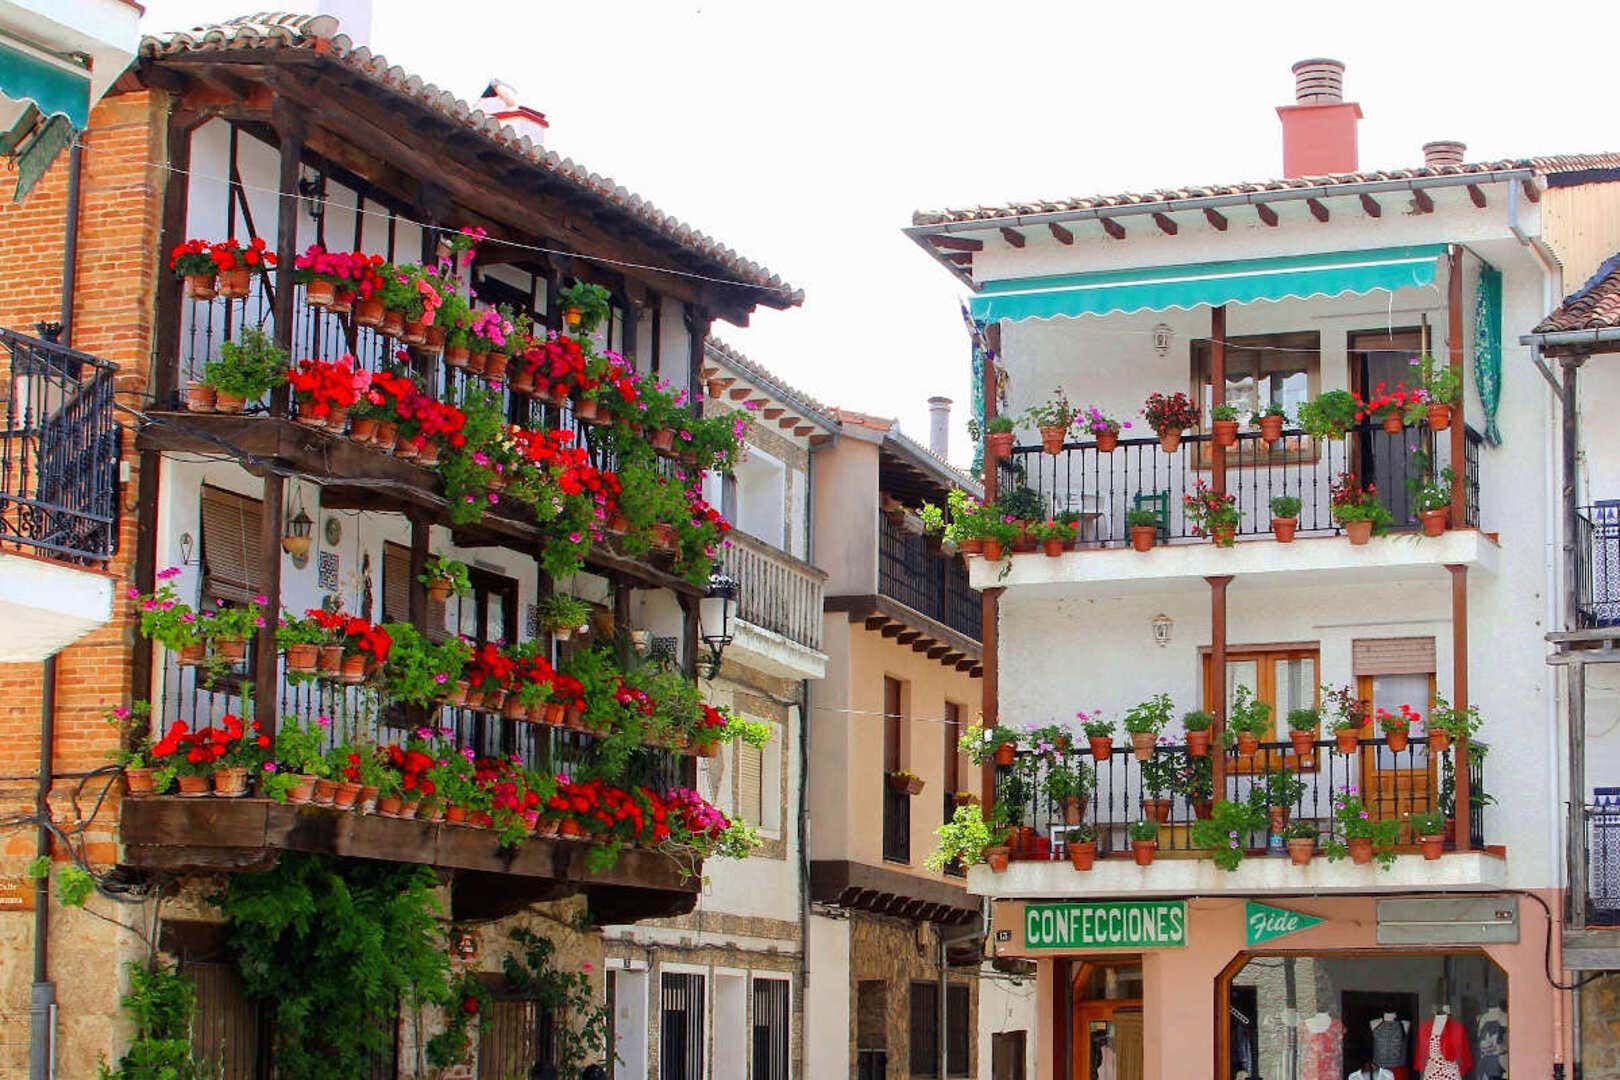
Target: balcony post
[[1570, 433], [290, 127], [1217, 675], [417, 604], [1462, 796], [1575, 706], [170, 290], [266, 676], [1454, 342], [1217, 396]]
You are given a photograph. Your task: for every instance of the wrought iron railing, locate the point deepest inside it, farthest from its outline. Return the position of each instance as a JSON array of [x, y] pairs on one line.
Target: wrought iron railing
[[896, 824], [1102, 488], [1393, 784], [778, 592], [59, 452], [928, 582]]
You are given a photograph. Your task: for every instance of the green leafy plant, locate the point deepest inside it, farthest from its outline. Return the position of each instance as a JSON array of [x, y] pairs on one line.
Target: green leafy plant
[[1345, 710], [133, 723], [1144, 831], [159, 1003], [1285, 506], [441, 568], [1304, 720], [1274, 408], [293, 630], [961, 839], [1151, 716], [593, 302], [249, 367], [1353, 821], [1428, 823], [301, 748], [1068, 777], [559, 611], [1429, 492], [1052, 530], [1137, 519], [1000, 425], [533, 974], [1350, 501], [1247, 715], [1161, 772], [1022, 504], [1095, 725], [1056, 412], [1301, 830], [1209, 511], [1198, 720], [1223, 412], [1225, 833], [1440, 381], [1330, 415], [979, 743], [1458, 723], [1279, 787], [1192, 777]]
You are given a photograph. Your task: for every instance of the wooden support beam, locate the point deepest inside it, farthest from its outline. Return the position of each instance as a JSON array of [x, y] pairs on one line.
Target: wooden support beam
[[1217, 382], [1165, 224], [773, 412], [966, 664], [959, 258], [737, 393], [1476, 193], [1370, 207], [956, 243], [803, 429], [922, 644], [1421, 201], [1059, 233], [976, 671], [1454, 343], [721, 382], [906, 637], [788, 421], [1215, 218], [950, 658], [937, 651], [876, 622], [1215, 689], [1318, 209], [1462, 796], [1013, 237], [893, 629], [1531, 192], [1113, 228], [1267, 214]]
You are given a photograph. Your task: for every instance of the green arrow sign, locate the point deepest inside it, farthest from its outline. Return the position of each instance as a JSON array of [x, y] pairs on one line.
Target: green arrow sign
[[1269, 923]]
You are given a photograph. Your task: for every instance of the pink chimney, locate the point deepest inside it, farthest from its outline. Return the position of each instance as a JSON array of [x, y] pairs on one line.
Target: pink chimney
[[1319, 129]]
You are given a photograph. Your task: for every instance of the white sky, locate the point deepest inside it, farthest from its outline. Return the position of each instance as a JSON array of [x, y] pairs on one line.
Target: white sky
[[803, 135]]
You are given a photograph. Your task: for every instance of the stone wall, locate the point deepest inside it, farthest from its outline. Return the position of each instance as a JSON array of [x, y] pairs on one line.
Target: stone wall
[[1600, 1028], [897, 953]]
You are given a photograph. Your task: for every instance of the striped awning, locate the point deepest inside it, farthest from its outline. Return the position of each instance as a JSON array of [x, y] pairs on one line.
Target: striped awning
[[1242, 281]]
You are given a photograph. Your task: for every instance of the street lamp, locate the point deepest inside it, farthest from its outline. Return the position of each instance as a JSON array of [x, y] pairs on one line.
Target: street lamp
[[715, 612]]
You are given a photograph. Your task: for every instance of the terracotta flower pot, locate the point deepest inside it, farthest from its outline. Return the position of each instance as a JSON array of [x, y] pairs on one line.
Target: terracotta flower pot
[[574, 717], [455, 815], [1203, 809], [354, 669], [1198, 743], [415, 332], [368, 312], [231, 651], [1283, 529], [456, 355], [1300, 850], [1053, 547], [992, 549], [329, 659], [1393, 424], [439, 590], [1083, 855], [1435, 521], [347, 794], [1304, 741], [1107, 441], [200, 397], [342, 303], [1000, 443], [971, 545], [1157, 809], [228, 403], [663, 440], [193, 654], [571, 829], [456, 697], [547, 827], [1361, 850], [1170, 441], [427, 453], [191, 787], [393, 324], [1225, 432], [1397, 740], [1248, 743], [432, 811], [1143, 744], [1439, 741], [1359, 532], [1052, 438], [1432, 847], [573, 317], [495, 366], [1278, 816], [1439, 416], [368, 798], [587, 410], [476, 362], [233, 284], [1347, 740], [555, 714], [1006, 753], [1074, 809], [1143, 851], [390, 805], [1143, 536], [1102, 746], [522, 382], [325, 792], [494, 698], [363, 429], [139, 781], [337, 420], [1271, 428], [996, 858], [302, 791], [515, 709], [407, 448], [320, 294], [408, 811], [1223, 535], [201, 286]]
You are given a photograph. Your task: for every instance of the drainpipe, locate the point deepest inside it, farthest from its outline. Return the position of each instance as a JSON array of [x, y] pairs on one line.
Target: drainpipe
[[42, 1000], [804, 754]]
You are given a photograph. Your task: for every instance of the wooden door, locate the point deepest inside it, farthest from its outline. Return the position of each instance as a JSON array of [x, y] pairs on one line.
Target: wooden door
[[1109, 1040], [1397, 784]]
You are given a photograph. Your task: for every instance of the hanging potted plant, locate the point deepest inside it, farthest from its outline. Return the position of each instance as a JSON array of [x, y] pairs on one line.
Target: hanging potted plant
[[239, 265], [1431, 498], [1053, 420], [1144, 841], [1000, 533], [999, 436], [444, 577], [1213, 515], [1003, 744], [1248, 719], [227, 630], [1284, 518], [1276, 795], [244, 753], [301, 640], [1442, 387], [1104, 427], [1397, 727], [965, 840], [1068, 783], [1358, 509], [188, 756], [1331, 415], [562, 615], [1270, 421], [1169, 415], [1430, 829], [1303, 727], [1082, 844], [1300, 836], [1224, 424], [1053, 536], [172, 623], [1144, 525], [1225, 833], [1195, 725], [193, 264], [326, 390], [133, 725], [585, 306], [246, 370], [1389, 407], [1447, 724], [905, 782], [1099, 734], [1347, 732], [1145, 720]]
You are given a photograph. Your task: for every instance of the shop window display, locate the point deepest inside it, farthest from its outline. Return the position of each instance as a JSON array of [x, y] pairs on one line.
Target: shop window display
[[1394, 1017]]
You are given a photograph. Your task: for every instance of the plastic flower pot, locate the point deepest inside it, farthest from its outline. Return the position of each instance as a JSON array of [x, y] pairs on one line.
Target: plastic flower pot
[[1083, 855], [354, 669], [302, 791], [1431, 846], [1225, 432], [1347, 740], [233, 284], [1143, 537], [228, 403], [201, 286], [1000, 443], [1304, 741], [1102, 746], [325, 792], [200, 397], [139, 781], [362, 429], [1283, 529], [996, 858], [1397, 740], [1277, 816], [1435, 521], [1052, 438], [1143, 743], [390, 805], [1074, 809], [1006, 753], [1271, 428], [191, 787], [1053, 547], [347, 794], [1157, 809], [1170, 441], [231, 651], [193, 654], [1361, 850], [320, 294], [1359, 532], [1439, 416], [1143, 851], [992, 549], [1107, 441], [1248, 743], [1393, 424], [1300, 850], [1198, 743]]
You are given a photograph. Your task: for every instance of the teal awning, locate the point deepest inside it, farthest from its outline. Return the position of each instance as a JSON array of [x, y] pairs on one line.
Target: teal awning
[[58, 88], [1240, 282]]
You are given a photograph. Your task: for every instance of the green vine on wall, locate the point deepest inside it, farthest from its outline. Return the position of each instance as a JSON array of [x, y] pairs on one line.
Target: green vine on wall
[[160, 1002], [580, 1037]]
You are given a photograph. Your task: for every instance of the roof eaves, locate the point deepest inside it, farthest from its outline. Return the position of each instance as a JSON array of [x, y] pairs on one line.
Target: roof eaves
[[766, 380], [941, 469]]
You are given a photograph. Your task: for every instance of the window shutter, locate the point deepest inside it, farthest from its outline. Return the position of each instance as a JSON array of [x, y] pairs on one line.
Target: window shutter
[[958, 1006], [232, 551], [1393, 656], [924, 1029], [750, 783], [397, 592]]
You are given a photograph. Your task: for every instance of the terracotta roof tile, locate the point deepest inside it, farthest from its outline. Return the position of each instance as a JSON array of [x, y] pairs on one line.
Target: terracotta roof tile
[[274, 31], [1553, 164], [1595, 306]]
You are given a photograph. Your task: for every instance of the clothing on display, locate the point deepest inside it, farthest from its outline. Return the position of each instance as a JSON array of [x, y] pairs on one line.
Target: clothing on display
[[1374, 1073], [1443, 1052], [1321, 1042], [1492, 1044], [1389, 1041]]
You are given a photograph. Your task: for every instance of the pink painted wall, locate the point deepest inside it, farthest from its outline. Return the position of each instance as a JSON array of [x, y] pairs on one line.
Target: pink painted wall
[[1179, 984]]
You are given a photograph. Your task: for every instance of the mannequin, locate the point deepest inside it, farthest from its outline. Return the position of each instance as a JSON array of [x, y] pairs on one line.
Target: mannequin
[[1321, 1040], [1369, 1071], [1389, 1047], [1442, 1050], [1491, 1029]]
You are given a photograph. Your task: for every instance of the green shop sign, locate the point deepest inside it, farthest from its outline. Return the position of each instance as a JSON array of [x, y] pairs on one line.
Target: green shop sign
[[1269, 923], [1128, 924]]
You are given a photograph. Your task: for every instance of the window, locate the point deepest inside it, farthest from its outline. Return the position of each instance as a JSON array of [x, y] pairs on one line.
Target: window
[[872, 1015], [1284, 677], [489, 610], [894, 724], [232, 549], [770, 1029], [1390, 673], [1261, 370], [760, 484], [896, 804], [750, 782], [680, 1030], [953, 754], [924, 1028], [396, 592], [958, 1026], [1007, 1055]]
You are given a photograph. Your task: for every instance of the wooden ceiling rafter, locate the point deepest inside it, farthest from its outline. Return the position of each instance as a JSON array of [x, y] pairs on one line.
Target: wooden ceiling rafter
[[1112, 228], [951, 242], [1370, 206], [1318, 209], [1012, 236], [1059, 233]]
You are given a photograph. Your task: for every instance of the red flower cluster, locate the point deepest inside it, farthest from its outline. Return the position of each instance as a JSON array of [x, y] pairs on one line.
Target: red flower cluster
[[411, 765], [383, 397], [1386, 402], [1345, 491], [703, 513], [324, 386], [713, 718], [489, 665], [1389, 721], [207, 748], [353, 272], [434, 419], [359, 635], [582, 478], [603, 809], [558, 363], [634, 699], [547, 447], [569, 691], [231, 255]]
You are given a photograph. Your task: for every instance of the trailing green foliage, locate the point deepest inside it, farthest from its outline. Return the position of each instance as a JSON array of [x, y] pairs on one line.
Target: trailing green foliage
[[159, 1002], [581, 1036]]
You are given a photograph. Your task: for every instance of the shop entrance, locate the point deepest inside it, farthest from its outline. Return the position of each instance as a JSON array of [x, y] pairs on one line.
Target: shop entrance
[[1108, 1021]]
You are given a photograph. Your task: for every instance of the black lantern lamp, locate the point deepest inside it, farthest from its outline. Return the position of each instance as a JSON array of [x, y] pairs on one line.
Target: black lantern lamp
[[716, 612]]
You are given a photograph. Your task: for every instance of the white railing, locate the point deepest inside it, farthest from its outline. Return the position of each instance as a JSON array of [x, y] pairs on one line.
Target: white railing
[[778, 592]]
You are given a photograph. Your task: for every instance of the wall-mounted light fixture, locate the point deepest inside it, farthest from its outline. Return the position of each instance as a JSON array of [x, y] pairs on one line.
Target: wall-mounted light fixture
[[715, 612], [1163, 626]]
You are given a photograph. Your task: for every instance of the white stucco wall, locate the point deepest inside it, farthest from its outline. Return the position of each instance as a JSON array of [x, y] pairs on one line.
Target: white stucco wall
[[1006, 1003], [826, 1005]]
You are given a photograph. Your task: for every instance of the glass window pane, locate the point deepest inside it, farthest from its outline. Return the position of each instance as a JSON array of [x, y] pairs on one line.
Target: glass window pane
[[1296, 685]]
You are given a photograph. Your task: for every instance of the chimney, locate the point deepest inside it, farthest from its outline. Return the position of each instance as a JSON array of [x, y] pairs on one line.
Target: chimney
[[1319, 129], [353, 16], [501, 101], [939, 426], [1443, 152]]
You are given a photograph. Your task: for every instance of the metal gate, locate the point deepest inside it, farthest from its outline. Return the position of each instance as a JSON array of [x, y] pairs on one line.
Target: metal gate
[[770, 1029], [680, 1039]]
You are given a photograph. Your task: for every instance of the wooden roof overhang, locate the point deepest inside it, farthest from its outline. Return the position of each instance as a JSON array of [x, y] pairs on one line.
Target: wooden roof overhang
[[907, 626], [878, 890]]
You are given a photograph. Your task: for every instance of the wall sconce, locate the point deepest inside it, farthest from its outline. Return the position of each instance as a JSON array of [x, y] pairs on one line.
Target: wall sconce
[[186, 545], [641, 641], [715, 612], [1163, 625], [313, 191]]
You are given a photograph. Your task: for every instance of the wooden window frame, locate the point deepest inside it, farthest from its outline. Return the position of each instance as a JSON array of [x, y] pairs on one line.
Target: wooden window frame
[[1293, 449], [929, 1069]]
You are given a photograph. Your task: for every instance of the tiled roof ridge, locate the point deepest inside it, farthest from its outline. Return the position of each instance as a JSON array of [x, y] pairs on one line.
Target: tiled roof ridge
[[1594, 306], [322, 34], [1554, 163], [730, 354]]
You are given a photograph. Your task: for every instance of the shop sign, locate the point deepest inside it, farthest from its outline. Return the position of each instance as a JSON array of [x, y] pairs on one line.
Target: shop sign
[[1268, 923], [1127, 924], [16, 893]]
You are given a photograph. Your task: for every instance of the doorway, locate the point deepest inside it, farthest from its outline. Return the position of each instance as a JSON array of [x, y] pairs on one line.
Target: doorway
[[1108, 1021], [1389, 461], [1399, 784]]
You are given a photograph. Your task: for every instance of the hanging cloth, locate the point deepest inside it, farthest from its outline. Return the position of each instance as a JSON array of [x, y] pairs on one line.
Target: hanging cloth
[[1488, 347]]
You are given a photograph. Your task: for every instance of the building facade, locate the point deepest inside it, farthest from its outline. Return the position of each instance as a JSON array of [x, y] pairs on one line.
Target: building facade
[[1267, 297]]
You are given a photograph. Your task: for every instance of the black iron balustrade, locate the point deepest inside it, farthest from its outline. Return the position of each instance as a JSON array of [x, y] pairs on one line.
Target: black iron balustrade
[[896, 824], [1393, 784], [928, 582], [1103, 488], [59, 452]]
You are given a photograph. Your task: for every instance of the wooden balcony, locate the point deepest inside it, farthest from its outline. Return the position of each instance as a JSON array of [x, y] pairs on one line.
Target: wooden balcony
[[780, 608]]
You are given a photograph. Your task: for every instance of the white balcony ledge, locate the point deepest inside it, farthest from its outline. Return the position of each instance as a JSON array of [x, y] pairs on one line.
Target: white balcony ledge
[[1467, 871], [46, 606], [1329, 560], [775, 654]]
